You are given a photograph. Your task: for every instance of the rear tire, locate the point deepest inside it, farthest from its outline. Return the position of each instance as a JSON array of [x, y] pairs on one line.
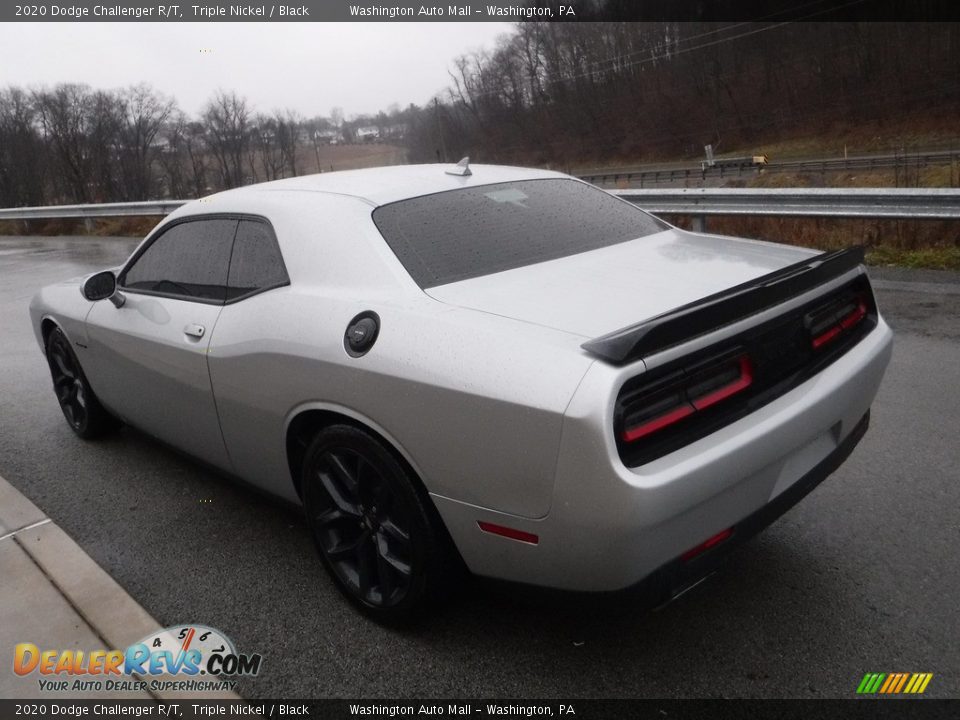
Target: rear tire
[[83, 412], [373, 526]]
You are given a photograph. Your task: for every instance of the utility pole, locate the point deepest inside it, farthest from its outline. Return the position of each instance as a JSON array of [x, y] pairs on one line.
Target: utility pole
[[436, 113]]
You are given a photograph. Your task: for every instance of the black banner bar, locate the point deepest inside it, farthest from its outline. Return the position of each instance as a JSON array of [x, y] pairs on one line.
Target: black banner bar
[[872, 708], [479, 11]]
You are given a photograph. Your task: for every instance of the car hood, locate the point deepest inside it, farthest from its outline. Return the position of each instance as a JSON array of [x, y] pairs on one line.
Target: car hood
[[603, 290]]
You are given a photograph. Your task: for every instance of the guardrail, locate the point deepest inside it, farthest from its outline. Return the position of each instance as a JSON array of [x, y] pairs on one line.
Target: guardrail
[[889, 203], [124, 209], [694, 171]]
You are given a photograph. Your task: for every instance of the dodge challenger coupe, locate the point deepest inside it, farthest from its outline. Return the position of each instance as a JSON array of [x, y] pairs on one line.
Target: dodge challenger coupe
[[499, 368]]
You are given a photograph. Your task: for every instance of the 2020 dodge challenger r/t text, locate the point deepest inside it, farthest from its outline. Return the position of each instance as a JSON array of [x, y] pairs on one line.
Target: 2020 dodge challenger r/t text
[[506, 369]]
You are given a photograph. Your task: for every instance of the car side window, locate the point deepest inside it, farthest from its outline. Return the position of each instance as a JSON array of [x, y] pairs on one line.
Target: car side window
[[190, 260], [256, 264]]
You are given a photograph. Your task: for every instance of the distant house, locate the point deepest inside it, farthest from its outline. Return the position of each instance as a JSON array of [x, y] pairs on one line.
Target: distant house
[[368, 133], [327, 137]]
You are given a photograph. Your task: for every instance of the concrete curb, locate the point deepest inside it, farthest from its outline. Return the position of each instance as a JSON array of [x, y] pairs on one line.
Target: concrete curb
[[40, 562]]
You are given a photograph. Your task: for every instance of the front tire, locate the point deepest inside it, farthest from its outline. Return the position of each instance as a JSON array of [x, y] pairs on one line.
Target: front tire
[[373, 527], [83, 412]]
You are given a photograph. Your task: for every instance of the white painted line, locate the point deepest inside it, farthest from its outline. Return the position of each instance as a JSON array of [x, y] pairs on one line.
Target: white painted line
[[28, 527]]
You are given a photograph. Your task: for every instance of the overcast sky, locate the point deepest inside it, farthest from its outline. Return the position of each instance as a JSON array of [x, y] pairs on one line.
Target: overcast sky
[[310, 67]]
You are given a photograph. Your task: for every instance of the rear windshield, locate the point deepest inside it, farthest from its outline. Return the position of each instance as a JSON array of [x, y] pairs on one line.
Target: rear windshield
[[461, 234]]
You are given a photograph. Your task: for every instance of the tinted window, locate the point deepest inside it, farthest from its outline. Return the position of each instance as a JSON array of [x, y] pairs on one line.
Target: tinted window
[[256, 263], [189, 260], [466, 233]]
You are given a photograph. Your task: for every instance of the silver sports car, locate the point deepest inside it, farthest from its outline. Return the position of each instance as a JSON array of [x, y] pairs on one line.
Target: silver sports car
[[499, 368]]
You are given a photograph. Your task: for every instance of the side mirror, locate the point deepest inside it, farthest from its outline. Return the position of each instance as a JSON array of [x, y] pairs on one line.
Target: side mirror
[[100, 286]]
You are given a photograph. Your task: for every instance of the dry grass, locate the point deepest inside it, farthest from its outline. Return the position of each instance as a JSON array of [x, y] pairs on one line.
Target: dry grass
[[101, 227], [328, 158], [936, 258], [918, 131], [932, 176]]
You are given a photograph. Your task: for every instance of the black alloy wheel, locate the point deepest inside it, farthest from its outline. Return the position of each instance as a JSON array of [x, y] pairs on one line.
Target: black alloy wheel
[[371, 525], [79, 404]]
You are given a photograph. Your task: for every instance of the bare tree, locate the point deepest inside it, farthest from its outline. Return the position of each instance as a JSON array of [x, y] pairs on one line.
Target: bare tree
[[289, 131], [227, 123], [195, 138], [174, 156], [265, 143], [143, 114], [22, 151], [104, 120], [65, 121]]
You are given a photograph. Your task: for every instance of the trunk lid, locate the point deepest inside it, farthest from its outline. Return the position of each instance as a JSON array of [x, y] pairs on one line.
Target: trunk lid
[[597, 292]]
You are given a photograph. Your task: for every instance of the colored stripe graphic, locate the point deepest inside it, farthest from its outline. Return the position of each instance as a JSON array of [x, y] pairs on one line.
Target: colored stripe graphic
[[903, 681], [870, 683], [891, 678], [894, 683]]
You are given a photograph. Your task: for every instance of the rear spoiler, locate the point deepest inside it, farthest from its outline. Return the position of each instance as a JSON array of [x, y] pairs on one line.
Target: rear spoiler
[[723, 308]]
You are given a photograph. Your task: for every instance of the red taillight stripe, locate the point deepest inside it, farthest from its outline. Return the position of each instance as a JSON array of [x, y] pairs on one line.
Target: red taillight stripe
[[507, 532], [707, 544], [853, 318], [741, 383], [826, 337], [678, 413], [845, 324], [701, 403]]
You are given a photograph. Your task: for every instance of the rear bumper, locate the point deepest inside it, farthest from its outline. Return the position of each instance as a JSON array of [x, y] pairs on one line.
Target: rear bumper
[[611, 527], [672, 578]]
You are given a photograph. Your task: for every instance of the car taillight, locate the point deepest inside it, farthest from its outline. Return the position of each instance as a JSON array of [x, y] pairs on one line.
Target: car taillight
[[686, 395], [724, 384], [839, 317]]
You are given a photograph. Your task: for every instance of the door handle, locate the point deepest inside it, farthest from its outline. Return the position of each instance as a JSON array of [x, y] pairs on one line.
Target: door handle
[[194, 330]]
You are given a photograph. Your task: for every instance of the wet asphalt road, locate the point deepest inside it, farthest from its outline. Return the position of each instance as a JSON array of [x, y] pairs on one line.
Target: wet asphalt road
[[862, 576]]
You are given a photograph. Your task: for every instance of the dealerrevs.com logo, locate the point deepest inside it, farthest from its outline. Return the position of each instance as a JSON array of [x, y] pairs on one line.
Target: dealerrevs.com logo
[[188, 657]]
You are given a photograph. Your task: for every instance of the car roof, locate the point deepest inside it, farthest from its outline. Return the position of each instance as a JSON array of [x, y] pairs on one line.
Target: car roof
[[382, 185]]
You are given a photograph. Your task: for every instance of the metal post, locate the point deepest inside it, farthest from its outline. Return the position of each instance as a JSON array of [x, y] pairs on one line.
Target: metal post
[[699, 223]]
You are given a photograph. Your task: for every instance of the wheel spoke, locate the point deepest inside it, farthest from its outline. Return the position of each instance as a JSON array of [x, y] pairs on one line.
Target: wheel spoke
[[385, 576], [391, 560], [63, 390], [63, 363], [394, 531], [365, 569], [345, 504], [70, 413], [344, 550], [333, 516], [346, 478]]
